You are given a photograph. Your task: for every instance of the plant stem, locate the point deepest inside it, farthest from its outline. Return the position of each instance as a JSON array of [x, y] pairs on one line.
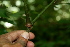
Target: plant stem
[[28, 21], [42, 12]]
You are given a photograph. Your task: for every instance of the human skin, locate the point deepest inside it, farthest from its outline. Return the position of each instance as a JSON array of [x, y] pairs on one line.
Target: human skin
[[18, 38]]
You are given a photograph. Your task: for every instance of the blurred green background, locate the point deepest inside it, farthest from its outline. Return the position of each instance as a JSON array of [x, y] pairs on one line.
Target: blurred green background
[[52, 29]]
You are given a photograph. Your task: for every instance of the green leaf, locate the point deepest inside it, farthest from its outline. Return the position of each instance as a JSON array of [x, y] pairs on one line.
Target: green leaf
[[15, 16], [2, 13]]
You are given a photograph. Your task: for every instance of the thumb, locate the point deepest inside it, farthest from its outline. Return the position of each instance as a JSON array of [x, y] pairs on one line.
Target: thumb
[[23, 39]]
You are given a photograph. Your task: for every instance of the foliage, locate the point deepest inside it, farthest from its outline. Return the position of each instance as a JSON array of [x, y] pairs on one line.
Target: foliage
[[51, 29]]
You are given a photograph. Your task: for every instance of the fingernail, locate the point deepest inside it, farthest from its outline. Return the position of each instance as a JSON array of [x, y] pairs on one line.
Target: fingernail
[[25, 35]]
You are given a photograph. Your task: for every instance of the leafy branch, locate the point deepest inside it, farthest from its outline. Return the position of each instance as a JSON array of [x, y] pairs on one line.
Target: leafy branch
[[42, 12], [28, 21]]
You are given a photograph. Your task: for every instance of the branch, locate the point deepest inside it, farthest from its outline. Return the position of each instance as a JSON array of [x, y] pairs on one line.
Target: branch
[[28, 21], [42, 12]]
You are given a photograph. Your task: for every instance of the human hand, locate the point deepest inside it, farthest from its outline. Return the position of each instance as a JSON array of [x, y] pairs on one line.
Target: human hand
[[16, 39]]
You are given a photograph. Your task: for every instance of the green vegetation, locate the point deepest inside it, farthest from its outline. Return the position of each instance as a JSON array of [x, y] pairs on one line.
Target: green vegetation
[[51, 29]]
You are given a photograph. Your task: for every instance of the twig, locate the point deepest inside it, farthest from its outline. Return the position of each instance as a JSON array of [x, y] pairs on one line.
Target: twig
[[28, 21], [42, 12]]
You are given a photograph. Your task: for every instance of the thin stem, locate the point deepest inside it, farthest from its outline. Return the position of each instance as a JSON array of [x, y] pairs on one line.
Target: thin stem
[[42, 12], [28, 21], [26, 11]]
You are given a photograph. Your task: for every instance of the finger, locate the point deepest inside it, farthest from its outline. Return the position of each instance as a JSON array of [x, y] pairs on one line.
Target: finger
[[21, 41], [30, 44], [32, 36], [23, 38], [14, 35]]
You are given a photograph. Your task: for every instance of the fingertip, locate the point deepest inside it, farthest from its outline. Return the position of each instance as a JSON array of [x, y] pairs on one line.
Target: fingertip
[[32, 36], [30, 44]]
